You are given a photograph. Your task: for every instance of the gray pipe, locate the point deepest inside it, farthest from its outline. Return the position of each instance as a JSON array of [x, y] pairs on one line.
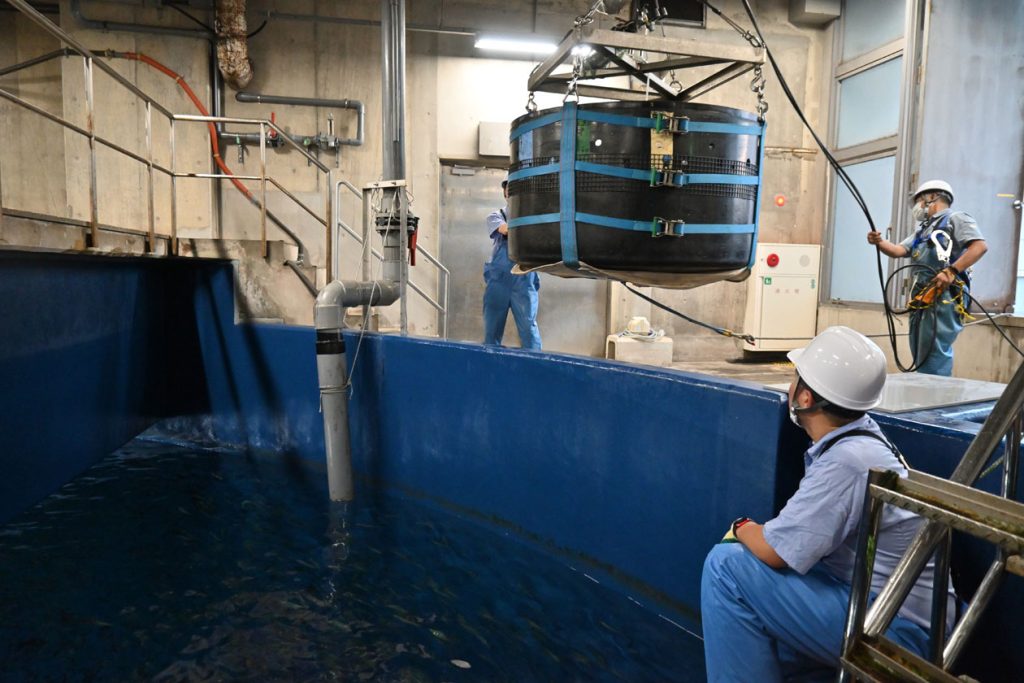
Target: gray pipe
[[76, 12], [359, 107], [332, 372], [393, 87]]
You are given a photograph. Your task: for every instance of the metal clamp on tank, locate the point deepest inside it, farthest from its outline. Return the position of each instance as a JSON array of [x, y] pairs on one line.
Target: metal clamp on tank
[[667, 227], [669, 178], [667, 123]]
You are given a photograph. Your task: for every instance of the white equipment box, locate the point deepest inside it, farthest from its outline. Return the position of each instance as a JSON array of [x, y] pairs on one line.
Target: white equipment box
[[782, 297]]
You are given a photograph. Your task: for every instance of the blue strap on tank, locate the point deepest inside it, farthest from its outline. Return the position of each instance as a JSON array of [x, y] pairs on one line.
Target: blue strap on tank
[[757, 197], [652, 122], [534, 124], [567, 187], [533, 171], [653, 176], [652, 226]]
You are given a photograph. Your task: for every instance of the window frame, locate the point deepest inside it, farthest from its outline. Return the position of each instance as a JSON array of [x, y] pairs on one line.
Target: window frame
[[898, 145]]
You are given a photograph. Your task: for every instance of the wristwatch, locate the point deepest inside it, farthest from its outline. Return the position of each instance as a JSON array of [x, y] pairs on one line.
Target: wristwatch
[[953, 268], [738, 523]]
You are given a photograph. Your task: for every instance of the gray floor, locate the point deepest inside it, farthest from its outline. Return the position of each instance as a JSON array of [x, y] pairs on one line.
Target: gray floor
[[777, 371]]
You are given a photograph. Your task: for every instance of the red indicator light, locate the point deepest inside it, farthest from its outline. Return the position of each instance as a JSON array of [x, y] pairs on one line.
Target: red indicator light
[[780, 200], [772, 260]]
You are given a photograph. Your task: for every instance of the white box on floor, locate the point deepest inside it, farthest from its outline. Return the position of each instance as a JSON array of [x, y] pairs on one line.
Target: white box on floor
[[657, 352]]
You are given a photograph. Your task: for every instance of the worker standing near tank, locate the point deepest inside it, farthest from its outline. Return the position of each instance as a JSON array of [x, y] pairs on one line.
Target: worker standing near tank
[[505, 290], [774, 597], [945, 246]]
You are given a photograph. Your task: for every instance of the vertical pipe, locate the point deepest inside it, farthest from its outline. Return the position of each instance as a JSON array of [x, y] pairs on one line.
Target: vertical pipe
[[1, 197], [217, 107], [444, 317], [329, 216], [332, 371], [149, 178], [174, 192], [263, 190], [863, 568], [367, 250], [94, 216], [393, 87], [940, 600], [403, 255]]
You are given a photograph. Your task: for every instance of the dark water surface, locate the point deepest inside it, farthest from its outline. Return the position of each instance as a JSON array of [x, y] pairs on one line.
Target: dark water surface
[[167, 563]]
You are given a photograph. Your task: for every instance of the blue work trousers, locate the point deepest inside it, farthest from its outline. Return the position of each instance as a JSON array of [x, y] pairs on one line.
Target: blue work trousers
[[768, 625], [932, 333], [506, 291]]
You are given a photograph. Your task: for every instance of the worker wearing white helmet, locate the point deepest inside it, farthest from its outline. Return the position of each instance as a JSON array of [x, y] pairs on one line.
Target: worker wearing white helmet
[[945, 246], [774, 596]]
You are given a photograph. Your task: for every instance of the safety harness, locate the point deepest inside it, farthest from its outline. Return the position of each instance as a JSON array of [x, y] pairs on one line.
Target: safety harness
[[873, 435]]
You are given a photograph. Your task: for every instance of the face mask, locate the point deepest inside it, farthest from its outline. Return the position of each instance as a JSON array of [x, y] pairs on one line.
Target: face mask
[[793, 417], [920, 212]]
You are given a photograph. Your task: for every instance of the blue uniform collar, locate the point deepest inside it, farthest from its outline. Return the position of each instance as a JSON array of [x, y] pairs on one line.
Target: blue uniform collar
[[862, 422]]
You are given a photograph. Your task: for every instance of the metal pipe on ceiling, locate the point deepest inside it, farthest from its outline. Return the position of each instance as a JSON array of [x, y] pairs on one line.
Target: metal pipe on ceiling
[[355, 105], [75, 6]]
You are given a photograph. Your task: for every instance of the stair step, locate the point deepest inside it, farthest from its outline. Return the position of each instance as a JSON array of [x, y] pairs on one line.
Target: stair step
[[993, 518]]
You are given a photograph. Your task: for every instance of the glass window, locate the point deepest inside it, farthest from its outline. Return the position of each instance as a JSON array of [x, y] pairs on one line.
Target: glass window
[[868, 24], [854, 270], [869, 104]]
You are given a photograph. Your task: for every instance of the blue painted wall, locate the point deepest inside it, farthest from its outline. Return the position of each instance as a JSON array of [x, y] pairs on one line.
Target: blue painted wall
[[92, 351], [638, 470]]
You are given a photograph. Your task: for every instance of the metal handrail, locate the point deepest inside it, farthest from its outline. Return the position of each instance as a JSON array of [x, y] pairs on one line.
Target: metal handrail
[[90, 61], [443, 272]]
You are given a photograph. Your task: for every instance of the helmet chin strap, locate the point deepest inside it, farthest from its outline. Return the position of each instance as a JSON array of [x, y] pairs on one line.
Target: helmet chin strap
[[814, 406]]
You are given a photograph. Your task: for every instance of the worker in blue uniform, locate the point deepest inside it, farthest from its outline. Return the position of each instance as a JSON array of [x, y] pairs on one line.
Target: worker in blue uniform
[[774, 597], [504, 290], [947, 243]]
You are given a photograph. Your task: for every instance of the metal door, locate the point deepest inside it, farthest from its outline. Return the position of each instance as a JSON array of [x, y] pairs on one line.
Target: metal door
[[572, 315]]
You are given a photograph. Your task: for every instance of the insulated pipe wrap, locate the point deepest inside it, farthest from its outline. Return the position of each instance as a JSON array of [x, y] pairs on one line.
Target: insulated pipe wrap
[[232, 48]]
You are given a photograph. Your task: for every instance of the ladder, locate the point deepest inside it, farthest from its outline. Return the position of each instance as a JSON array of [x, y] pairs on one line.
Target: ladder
[[946, 505]]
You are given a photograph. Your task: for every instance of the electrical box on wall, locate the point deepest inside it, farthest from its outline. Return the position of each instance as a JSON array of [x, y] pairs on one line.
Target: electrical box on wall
[[782, 297], [494, 138]]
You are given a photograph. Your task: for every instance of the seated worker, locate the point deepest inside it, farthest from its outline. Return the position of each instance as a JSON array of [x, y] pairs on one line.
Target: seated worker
[[774, 597], [946, 244]]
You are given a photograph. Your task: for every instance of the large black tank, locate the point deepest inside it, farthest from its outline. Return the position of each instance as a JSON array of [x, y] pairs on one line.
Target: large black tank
[[630, 147]]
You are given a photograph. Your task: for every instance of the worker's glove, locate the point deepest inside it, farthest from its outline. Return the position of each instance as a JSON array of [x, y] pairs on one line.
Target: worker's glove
[[730, 535]]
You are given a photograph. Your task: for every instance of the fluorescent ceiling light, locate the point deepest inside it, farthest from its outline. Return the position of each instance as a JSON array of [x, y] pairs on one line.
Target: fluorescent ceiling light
[[531, 46]]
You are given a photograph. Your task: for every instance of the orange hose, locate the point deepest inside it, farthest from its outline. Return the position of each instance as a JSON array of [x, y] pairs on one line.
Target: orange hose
[[214, 142]]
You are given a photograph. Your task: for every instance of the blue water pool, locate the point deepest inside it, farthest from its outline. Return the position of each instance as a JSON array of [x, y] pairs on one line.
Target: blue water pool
[[170, 563]]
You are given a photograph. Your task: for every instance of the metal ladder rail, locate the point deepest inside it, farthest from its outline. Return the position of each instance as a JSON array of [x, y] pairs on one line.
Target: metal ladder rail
[[443, 272], [946, 505]]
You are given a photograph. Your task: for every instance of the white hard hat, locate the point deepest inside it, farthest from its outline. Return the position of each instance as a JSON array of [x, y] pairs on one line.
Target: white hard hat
[[843, 367], [934, 186]]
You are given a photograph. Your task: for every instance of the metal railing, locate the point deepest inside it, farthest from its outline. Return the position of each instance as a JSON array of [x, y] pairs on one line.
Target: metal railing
[[946, 505], [444, 275], [92, 62]]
